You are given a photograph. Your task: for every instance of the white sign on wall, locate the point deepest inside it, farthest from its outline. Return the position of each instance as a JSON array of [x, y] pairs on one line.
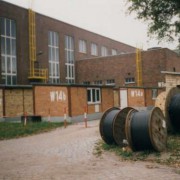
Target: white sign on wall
[[57, 96], [136, 93]]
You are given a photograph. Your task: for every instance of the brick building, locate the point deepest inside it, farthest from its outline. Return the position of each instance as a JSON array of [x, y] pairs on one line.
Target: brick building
[[28, 37], [120, 70], [31, 42]]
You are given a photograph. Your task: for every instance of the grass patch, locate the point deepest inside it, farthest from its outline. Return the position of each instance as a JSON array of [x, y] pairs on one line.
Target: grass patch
[[10, 130], [170, 157]]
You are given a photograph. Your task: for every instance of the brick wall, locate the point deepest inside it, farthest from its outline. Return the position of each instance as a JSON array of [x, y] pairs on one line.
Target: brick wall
[[136, 97], [78, 100], [18, 101], [107, 98], [172, 80], [105, 68], [50, 100]]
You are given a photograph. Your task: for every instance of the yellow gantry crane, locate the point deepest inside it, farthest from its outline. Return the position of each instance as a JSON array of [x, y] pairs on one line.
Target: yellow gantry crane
[[35, 73], [139, 67]]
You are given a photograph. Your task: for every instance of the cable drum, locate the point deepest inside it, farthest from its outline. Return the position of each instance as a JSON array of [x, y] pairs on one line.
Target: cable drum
[[147, 130], [106, 125], [174, 112], [119, 133]]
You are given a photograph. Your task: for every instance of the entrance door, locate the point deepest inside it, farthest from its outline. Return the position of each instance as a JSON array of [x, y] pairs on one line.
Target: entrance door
[[123, 98]]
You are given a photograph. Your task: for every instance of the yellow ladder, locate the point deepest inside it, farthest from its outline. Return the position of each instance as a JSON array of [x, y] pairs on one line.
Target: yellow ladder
[[139, 67], [34, 73]]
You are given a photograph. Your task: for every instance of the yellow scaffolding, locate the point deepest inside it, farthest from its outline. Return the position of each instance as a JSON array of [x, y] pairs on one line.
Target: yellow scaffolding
[[139, 67], [34, 73]]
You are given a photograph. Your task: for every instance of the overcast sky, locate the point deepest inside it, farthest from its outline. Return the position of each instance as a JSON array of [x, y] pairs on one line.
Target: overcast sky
[[106, 17]]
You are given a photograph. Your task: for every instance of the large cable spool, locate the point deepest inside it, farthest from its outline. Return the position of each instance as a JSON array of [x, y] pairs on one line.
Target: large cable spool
[[163, 101], [119, 133], [106, 125], [146, 130], [174, 112]]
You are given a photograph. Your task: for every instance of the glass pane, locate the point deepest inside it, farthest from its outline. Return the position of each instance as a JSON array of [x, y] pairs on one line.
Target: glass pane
[[13, 28], [94, 95], [8, 46], [57, 54], [14, 65], [8, 80], [3, 45], [8, 65], [97, 95], [7, 27], [2, 27], [49, 54], [57, 40], [3, 64], [89, 95], [14, 79], [14, 47]]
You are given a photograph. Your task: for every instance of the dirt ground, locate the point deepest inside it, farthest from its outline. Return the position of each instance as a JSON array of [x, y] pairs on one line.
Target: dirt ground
[[67, 154]]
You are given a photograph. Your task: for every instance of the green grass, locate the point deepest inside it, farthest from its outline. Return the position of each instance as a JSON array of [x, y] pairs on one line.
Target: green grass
[[170, 157], [14, 130]]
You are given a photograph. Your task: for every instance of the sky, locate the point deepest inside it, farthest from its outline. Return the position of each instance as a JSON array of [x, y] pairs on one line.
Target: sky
[[105, 17]]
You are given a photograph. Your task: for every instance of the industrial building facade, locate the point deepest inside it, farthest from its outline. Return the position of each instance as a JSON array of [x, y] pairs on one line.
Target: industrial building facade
[[34, 46], [121, 70], [47, 66]]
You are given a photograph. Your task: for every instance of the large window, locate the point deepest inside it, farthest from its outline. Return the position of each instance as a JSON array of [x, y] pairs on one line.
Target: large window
[[69, 59], [53, 48], [8, 51], [93, 95], [104, 51], [94, 49], [82, 46]]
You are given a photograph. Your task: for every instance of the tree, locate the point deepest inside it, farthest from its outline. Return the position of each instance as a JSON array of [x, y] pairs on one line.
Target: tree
[[163, 17]]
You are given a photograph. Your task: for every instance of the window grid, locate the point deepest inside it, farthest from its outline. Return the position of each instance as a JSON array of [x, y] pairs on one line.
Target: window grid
[[8, 51], [129, 80], [110, 82], [93, 95], [98, 82], [82, 46], [94, 49], [53, 46], [69, 59]]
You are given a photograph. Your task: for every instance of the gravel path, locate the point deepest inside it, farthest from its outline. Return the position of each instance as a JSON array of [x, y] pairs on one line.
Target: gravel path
[[67, 154]]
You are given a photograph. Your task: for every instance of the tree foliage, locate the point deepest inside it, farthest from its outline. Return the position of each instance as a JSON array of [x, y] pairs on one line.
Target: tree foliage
[[163, 17]]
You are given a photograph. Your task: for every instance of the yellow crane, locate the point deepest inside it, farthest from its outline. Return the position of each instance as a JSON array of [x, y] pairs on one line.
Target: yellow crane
[[139, 67], [35, 73]]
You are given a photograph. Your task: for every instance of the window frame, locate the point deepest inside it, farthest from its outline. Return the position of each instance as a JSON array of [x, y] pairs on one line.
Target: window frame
[[69, 59], [93, 95], [104, 51], [114, 52], [8, 39], [82, 46], [129, 80], [53, 57], [110, 82], [94, 49]]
